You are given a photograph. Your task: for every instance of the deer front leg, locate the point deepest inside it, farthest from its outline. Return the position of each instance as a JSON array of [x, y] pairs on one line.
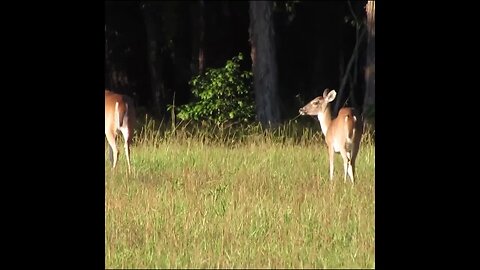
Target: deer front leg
[[331, 155]]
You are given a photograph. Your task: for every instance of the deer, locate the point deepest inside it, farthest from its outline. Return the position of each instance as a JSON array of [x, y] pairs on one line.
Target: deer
[[342, 134], [119, 116]]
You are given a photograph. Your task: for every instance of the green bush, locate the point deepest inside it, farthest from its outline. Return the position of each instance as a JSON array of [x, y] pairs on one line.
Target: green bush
[[221, 95]]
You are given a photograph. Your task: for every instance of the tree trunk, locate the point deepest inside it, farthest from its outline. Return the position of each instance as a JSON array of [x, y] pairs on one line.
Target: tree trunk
[[264, 64], [369, 101], [154, 59], [347, 76], [107, 60], [201, 45], [198, 37], [349, 80]]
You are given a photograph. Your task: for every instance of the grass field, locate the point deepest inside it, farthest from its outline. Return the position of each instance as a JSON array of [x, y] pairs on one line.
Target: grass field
[[238, 199]]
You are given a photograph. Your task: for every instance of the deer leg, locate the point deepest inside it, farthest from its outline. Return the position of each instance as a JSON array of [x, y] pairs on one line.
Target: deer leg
[[346, 163], [351, 170], [353, 155], [113, 148], [126, 138], [331, 156]]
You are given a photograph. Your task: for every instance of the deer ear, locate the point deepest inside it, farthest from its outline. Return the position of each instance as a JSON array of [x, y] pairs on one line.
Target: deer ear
[[325, 92], [331, 96]]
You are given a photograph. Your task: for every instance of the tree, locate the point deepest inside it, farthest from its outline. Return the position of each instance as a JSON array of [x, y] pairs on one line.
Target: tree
[[351, 74], [152, 17], [264, 64], [369, 101], [117, 45], [197, 9]]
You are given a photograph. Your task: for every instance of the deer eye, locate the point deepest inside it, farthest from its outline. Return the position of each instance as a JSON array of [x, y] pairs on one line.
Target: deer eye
[[315, 102]]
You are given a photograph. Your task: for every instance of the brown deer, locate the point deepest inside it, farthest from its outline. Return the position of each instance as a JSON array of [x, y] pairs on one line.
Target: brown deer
[[119, 116], [342, 134]]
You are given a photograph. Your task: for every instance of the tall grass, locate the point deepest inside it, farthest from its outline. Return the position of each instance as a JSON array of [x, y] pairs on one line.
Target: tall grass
[[237, 197]]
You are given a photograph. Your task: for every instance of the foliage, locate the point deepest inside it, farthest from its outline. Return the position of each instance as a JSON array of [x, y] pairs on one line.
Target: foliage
[[222, 95], [287, 6]]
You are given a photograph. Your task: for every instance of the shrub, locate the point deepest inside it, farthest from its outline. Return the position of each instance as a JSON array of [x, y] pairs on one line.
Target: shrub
[[221, 95]]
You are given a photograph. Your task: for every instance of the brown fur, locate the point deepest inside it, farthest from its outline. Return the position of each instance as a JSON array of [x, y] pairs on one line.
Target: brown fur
[[126, 122], [342, 133]]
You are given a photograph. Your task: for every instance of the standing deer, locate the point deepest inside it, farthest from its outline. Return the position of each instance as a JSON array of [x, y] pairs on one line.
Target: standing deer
[[342, 134], [119, 115]]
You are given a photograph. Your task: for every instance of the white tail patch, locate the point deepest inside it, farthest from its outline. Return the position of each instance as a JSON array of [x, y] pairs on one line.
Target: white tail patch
[[350, 140], [342, 134], [116, 116], [347, 131], [354, 127], [119, 116]]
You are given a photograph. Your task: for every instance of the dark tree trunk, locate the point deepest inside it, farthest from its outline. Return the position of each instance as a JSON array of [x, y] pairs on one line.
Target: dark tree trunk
[[108, 65], [264, 64], [154, 58], [369, 100], [116, 77], [198, 37], [201, 46], [350, 78]]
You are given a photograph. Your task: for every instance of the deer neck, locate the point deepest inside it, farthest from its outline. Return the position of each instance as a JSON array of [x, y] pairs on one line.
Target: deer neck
[[325, 119]]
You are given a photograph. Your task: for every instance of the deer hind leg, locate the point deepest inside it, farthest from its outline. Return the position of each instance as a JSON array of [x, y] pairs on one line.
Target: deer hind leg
[[127, 139], [351, 164], [353, 156], [113, 148], [346, 164], [351, 170]]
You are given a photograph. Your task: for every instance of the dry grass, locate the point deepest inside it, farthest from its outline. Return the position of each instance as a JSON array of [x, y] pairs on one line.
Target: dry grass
[[238, 199]]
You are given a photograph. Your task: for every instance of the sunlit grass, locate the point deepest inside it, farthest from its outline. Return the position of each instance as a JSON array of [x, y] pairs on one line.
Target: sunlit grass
[[237, 198]]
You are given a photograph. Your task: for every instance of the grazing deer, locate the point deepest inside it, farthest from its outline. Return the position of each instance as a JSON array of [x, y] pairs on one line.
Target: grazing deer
[[342, 134], [119, 115]]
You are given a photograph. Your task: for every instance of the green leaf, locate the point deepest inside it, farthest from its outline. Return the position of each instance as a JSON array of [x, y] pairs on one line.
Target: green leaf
[[222, 94]]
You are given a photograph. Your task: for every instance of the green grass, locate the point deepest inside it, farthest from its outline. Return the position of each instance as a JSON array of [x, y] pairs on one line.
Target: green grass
[[243, 198]]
